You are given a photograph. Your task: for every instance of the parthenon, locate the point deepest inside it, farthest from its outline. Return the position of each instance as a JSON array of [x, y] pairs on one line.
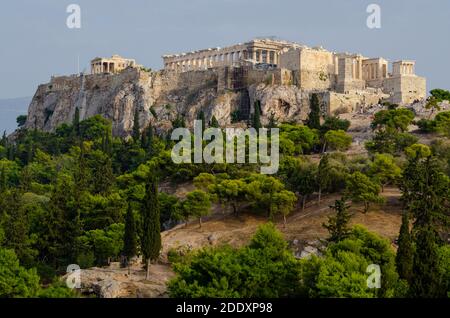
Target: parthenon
[[256, 51]]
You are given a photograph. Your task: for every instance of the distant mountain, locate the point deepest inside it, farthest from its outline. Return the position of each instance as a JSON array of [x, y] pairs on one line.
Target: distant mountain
[[9, 110]]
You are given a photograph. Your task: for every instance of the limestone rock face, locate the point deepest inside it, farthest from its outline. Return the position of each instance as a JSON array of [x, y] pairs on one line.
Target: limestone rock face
[[284, 103], [159, 98], [116, 282]]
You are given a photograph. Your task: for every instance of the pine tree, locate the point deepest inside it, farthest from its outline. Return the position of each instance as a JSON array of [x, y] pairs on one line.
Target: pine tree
[[314, 115], [214, 122], [136, 126], [76, 122], [337, 225], [129, 238], [405, 252], [151, 232], [257, 116]]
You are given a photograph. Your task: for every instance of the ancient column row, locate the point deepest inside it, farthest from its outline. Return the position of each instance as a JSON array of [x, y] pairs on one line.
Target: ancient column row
[[357, 69], [265, 56], [407, 69], [102, 67], [201, 62]]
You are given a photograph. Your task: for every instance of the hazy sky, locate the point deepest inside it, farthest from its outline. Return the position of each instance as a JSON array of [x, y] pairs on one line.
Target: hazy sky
[[35, 42]]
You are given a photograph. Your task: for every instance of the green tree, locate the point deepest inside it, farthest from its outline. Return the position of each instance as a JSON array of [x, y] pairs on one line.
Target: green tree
[[405, 251], [263, 269], [360, 188], [425, 194], [151, 231], [231, 192], [384, 169], [337, 140], [256, 123], [334, 123], [260, 191], [57, 290], [338, 225], [341, 272], [129, 238], [3, 179], [324, 175], [76, 122], [198, 204], [418, 151], [304, 181], [21, 120], [15, 280], [283, 203], [136, 125], [204, 180], [397, 119], [426, 273], [64, 222], [314, 115]]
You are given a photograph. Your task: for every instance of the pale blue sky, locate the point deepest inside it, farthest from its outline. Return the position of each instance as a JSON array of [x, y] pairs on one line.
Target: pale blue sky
[[35, 42]]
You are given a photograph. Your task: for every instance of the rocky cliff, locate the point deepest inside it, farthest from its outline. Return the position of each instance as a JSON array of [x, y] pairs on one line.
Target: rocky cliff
[[159, 97]]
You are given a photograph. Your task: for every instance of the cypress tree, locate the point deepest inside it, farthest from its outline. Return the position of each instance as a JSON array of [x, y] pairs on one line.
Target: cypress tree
[[257, 116], [151, 232], [425, 191], [147, 139], [129, 238], [11, 152], [136, 126], [323, 175], [3, 180], [4, 141], [314, 116], [426, 273], [76, 122], [107, 142], [405, 252], [337, 225]]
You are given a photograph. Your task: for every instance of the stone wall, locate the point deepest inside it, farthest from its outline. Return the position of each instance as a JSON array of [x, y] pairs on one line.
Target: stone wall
[[314, 69], [405, 89], [338, 103]]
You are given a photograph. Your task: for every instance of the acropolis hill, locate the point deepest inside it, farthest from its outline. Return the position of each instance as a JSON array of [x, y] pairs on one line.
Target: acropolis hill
[[225, 83]]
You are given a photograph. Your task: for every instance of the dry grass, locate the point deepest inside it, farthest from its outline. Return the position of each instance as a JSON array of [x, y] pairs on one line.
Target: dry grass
[[303, 226]]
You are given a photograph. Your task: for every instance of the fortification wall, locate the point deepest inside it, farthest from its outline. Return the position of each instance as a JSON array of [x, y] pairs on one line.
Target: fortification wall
[[405, 89], [338, 103]]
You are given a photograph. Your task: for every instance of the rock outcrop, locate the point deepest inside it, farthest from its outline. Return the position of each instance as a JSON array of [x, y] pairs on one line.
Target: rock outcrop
[[116, 282], [159, 97]]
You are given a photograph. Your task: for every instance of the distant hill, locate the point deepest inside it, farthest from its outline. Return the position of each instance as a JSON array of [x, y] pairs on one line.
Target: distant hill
[[9, 110]]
